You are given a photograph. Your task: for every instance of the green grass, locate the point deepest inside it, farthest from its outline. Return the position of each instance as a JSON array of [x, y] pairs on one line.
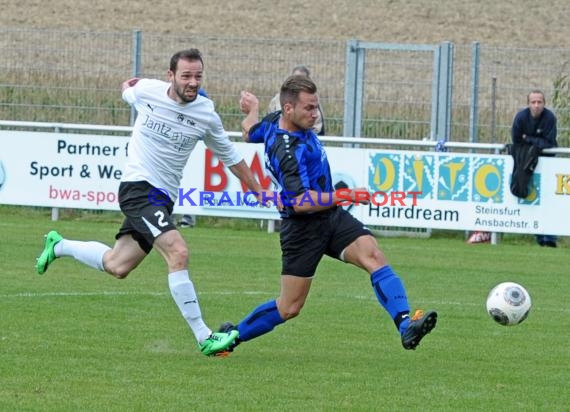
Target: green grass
[[78, 340]]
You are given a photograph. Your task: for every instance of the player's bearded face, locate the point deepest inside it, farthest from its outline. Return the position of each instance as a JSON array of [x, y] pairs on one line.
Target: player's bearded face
[[186, 81]]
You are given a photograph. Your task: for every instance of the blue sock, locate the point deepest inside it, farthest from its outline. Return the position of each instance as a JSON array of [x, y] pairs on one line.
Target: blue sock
[[262, 320], [391, 294]]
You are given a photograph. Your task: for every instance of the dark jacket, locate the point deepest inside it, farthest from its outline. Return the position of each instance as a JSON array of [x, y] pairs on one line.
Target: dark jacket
[[539, 132], [525, 158]]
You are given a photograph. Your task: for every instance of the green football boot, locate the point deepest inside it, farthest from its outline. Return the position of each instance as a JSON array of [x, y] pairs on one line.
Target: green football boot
[[48, 255], [218, 343]]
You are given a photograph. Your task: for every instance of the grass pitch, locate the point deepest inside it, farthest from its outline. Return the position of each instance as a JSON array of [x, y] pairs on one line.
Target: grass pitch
[[78, 340]]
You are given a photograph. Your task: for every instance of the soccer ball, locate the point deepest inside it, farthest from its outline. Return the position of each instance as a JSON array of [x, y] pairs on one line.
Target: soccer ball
[[508, 303]]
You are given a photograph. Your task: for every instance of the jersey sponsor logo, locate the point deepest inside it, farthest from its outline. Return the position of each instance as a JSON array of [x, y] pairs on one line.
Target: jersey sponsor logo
[[183, 119]]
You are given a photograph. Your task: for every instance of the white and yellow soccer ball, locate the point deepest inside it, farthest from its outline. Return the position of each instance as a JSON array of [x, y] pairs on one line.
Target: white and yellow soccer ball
[[508, 303]]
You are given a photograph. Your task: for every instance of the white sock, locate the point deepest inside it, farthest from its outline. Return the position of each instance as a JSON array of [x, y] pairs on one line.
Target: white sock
[[89, 253], [183, 293]]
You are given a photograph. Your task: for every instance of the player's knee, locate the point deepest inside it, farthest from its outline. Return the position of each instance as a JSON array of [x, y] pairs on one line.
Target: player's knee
[[373, 260], [290, 311], [121, 275], [369, 252], [366, 254], [376, 256], [119, 272], [178, 255], [290, 315], [117, 269]]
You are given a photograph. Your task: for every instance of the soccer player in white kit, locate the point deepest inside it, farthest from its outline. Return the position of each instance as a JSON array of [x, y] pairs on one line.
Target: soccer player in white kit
[[172, 118]]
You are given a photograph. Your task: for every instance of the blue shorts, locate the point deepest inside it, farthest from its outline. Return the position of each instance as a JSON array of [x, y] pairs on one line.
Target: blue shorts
[[307, 238]]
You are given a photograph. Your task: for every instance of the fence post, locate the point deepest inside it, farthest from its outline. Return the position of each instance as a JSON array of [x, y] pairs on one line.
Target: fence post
[[474, 104], [136, 72], [444, 92], [493, 109], [353, 89], [435, 92]]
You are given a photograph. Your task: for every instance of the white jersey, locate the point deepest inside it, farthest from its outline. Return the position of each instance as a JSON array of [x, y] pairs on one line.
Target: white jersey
[[166, 132]]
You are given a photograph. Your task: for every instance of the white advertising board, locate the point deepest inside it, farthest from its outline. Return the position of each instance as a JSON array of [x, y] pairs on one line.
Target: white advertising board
[[467, 191], [420, 189]]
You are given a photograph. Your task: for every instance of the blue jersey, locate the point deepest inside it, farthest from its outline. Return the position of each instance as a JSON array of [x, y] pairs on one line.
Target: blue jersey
[[540, 132], [297, 160]]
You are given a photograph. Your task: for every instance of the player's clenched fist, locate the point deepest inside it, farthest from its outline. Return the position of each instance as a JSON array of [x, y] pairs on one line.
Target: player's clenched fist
[[247, 102]]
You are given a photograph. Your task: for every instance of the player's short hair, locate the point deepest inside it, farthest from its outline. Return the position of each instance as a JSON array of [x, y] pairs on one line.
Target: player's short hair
[[535, 91], [188, 54], [294, 85]]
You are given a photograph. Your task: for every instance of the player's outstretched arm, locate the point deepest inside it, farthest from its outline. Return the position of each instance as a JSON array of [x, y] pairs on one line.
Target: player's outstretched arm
[[242, 172], [264, 197]]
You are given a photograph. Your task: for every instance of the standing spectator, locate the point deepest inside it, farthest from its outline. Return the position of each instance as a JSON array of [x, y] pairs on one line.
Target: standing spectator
[[536, 125]]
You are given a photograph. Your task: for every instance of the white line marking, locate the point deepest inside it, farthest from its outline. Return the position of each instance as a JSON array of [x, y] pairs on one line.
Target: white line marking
[[427, 303], [113, 293]]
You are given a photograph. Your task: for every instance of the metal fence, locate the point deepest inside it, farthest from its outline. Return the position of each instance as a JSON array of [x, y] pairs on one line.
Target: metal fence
[[75, 77]]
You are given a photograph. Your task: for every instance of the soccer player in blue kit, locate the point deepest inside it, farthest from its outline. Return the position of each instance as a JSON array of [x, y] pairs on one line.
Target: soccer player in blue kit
[[313, 225]]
